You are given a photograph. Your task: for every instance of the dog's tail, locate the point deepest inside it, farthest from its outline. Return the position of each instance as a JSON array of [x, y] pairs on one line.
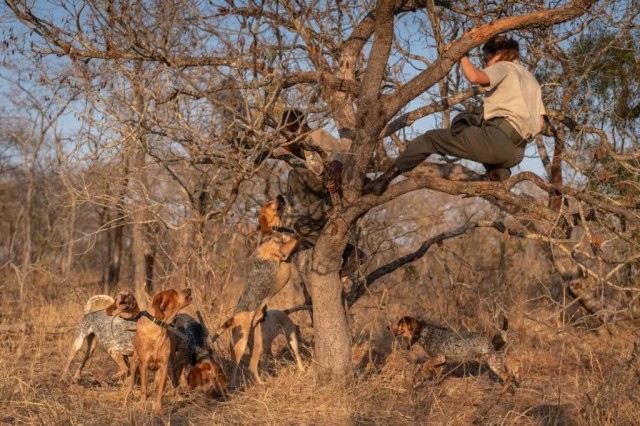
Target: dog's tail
[[499, 341], [224, 327], [297, 308], [98, 302]]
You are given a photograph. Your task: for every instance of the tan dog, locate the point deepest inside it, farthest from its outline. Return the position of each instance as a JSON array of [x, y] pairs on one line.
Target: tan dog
[[257, 331], [152, 345], [272, 215], [277, 247], [112, 328], [208, 376]]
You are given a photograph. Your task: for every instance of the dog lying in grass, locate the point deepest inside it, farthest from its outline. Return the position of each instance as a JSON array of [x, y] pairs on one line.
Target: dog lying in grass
[[446, 346], [257, 330], [192, 354], [113, 329]]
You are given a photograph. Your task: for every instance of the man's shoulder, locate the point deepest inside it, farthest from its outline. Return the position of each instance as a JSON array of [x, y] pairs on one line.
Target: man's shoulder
[[510, 68], [506, 66], [500, 66]]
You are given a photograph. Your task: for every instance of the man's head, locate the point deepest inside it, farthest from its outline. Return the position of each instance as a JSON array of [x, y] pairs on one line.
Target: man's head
[[500, 48]]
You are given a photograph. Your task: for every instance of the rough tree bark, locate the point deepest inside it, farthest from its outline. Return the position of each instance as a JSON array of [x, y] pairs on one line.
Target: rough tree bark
[[142, 258]]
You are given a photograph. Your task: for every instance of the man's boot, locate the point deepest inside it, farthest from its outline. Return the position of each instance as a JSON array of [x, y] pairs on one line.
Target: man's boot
[[498, 174], [381, 183]]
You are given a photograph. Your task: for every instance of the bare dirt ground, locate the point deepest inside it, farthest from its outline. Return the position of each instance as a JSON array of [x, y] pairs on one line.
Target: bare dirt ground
[[567, 377]]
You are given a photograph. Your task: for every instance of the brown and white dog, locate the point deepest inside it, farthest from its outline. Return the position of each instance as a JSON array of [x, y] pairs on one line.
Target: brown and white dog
[[112, 328], [152, 346], [208, 377], [445, 345], [257, 330]]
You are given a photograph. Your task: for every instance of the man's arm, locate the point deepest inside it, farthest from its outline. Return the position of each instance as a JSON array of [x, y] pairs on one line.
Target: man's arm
[[473, 74]]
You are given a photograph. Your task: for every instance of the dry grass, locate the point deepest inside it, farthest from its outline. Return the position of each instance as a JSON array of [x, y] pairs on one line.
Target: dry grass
[[566, 378]]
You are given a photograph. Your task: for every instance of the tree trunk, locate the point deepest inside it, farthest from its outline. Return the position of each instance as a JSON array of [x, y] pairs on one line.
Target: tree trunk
[[115, 253], [142, 286], [331, 326], [115, 257], [67, 260], [142, 255], [25, 264]]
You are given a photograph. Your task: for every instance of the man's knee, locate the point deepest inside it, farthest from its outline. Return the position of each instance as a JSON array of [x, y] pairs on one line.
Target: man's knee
[[418, 150]]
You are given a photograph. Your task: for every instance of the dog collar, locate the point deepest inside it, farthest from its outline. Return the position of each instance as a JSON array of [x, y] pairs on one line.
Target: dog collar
[[169, 327], [133, 318], [283, 230]]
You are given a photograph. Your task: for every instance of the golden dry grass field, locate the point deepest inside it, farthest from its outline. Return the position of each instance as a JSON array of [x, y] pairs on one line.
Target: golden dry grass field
[[567, 376]]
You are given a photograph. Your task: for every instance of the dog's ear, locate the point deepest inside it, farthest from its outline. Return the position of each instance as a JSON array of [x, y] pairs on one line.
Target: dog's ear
[[160, 302], [414, 325], [136, 308], [195, 377], [111, 308], [229, 323], [505, 323]]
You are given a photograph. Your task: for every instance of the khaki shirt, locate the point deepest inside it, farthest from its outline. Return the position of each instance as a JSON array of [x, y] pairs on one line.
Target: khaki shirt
[[515, 95], [335, 150]]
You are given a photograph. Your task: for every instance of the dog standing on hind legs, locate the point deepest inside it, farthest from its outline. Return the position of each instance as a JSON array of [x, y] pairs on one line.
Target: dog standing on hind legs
[[152, 346], [446, 346]]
